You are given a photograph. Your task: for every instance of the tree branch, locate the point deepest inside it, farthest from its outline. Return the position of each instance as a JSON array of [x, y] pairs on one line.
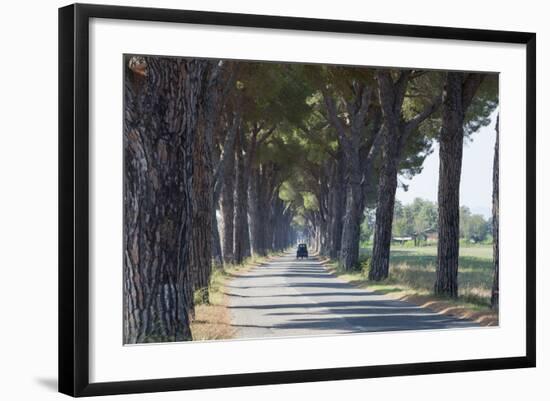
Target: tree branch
[[471, 84], [331, 153], [266, 135], [227, 151], [417, 74], [400, 88], [431, 108], [333, 117], [363, 95]]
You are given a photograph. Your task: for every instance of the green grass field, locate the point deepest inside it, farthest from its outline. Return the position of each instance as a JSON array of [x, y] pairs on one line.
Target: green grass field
[[414, 268]]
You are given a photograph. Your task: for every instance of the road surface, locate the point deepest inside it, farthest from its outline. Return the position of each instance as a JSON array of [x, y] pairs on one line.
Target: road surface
[[289, 297]]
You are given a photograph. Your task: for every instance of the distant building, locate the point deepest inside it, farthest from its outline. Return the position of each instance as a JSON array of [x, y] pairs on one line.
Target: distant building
[[431, 235], [401, 240]]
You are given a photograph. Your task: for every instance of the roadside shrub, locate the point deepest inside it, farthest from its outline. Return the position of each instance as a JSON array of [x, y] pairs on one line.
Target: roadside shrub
[[364, 265], [200, 297]]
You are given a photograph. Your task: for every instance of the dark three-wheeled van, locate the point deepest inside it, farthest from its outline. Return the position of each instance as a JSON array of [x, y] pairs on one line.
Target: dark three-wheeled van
[[301, 252]]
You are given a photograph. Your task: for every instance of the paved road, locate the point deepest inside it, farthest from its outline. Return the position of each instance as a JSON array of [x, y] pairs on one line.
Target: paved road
[[289, 297]]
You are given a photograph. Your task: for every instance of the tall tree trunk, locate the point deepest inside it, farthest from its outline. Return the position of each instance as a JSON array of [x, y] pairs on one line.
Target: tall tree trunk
[[280, 220], [217, 258], [241, 245], [359, 184], [323, 197], [391, 95], [338, 206], [349, 250], [459, 92], [255, 212], [162, 100], [450, 167], [395, 135], [201, 238], [228, 209], [225, 161], [276, 222], [247, 247], [387, 186], [205, 236], [351, 136], [495, 289], [260, 196], [287, 233]]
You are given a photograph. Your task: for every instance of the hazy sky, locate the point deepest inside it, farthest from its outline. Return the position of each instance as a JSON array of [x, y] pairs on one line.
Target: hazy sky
[[476, 185]]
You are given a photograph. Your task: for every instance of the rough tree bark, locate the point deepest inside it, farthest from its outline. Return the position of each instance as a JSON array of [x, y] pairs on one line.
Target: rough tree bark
[[350, 138], [203, 209], [205, 235], [217, 257], [349, 250], [312, 230], [395, 134], [162, 102], [337, 205], [495, 289], [391, 95], [460, 89], [387, 185], [277, 224], [224, 188], [262, 189], [257, 194], [221, 83], [241, 246], [228, 209], [323, 199], [282, 220], [271, 193], [255, 212]]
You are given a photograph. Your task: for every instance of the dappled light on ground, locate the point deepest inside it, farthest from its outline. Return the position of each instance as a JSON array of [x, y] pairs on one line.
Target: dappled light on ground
[[289, 297]]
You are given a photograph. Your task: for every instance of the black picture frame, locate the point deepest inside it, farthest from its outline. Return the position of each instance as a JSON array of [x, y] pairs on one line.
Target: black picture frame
[[74, 192]]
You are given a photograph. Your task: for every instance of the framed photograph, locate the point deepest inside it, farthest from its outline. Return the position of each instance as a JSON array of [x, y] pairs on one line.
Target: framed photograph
[[251, 199]]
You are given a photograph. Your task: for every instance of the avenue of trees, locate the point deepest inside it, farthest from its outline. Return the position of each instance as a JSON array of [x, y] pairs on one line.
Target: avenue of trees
[[224, 160]]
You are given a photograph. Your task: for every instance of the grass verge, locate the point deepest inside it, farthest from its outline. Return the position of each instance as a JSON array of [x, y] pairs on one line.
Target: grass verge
[[408, 282], [213, 319]]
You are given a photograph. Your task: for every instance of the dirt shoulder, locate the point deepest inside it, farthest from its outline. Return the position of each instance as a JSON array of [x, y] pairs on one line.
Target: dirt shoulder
[[212, 320]]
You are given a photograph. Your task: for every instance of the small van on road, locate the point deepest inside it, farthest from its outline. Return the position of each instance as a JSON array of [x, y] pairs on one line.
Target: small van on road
[[301, 252]]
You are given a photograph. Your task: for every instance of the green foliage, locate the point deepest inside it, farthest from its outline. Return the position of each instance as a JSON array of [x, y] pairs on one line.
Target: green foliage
[[473, 227], [288, 99], [421, 91], [365, 263], [421, 217], [402, 224], [425, 215], [288, 192], [272, 93], [416, 218], [310, 201], [483, 105]]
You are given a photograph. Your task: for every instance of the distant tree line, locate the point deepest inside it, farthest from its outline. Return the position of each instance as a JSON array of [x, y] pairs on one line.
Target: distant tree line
[[419, 219]]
